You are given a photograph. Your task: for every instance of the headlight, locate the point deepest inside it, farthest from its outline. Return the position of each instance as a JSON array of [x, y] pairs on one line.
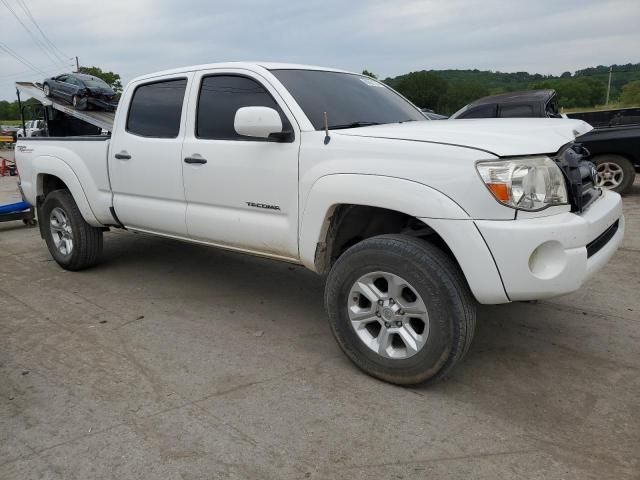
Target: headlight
[[528, 183]]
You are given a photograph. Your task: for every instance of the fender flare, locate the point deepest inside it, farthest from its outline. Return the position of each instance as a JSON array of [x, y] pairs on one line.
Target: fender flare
[[48, 165], [406, 196], [441, 213]]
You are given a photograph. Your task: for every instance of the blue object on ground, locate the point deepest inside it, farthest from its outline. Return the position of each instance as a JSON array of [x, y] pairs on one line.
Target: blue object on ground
[[14, 207]]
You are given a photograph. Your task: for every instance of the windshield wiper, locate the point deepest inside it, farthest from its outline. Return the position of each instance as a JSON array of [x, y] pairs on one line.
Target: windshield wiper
[[353, 125]]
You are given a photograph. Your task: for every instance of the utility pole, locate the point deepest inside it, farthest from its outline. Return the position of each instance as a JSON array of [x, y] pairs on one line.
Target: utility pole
[[608, 86], [78, 69]]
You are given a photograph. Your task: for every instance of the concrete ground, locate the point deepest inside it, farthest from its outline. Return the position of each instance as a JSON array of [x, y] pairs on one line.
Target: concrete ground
[[177, 361]]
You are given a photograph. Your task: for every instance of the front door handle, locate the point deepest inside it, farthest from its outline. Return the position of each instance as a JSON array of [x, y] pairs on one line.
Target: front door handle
[[123, 155], [192, 160]]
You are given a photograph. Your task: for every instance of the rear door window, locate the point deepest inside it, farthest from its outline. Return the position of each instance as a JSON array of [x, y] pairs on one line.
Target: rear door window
[[156, 109]]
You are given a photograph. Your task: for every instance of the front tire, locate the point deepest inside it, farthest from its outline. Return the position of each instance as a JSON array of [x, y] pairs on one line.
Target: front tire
[[72, 242], [400, 309], [47, 90], [615, 172]]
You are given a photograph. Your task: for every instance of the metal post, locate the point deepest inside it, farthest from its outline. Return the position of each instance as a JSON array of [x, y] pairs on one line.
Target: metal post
[[609, 86], [77, 65], [24, 128]]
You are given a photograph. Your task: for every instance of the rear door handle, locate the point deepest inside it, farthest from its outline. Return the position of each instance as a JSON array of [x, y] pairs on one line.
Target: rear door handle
[[123, 156], [192, 160]]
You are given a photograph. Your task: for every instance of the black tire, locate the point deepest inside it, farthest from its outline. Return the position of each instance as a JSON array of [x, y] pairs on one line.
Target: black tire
[[46, 89], [628, 172], [78, 103], [439, 282], [87, 240]]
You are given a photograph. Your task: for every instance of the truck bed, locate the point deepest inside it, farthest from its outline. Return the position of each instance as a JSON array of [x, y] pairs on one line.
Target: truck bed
[[80, 160]]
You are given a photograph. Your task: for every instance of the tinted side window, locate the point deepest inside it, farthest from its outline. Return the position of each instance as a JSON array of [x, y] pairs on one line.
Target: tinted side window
[[220, 98], [481, 111], [513, 111], [156, 108]]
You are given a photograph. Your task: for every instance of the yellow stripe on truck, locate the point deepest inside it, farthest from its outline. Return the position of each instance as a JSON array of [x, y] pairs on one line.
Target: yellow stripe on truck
[[6, 138]]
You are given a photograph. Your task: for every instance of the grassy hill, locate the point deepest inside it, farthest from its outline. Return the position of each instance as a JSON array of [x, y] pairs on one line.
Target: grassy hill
[[582, 89]]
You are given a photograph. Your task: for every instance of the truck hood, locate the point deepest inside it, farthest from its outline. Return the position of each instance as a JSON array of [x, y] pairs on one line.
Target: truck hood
[[502, 137]]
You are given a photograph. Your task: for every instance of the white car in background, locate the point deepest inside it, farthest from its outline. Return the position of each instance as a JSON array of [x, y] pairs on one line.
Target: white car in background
[[35, 128]]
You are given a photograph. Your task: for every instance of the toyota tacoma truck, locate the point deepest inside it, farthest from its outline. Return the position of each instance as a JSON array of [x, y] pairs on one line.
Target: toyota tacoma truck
[[413, 222]]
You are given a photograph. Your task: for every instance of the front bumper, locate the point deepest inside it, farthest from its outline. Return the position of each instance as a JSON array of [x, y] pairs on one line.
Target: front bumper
[[548, 256], [103, 104]]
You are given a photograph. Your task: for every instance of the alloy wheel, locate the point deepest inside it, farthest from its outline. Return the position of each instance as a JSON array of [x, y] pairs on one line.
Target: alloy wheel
[[61, 231], [388, 315], [610, 175]]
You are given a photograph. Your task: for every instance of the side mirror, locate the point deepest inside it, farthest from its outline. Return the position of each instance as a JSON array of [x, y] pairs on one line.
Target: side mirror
[[259, 122]]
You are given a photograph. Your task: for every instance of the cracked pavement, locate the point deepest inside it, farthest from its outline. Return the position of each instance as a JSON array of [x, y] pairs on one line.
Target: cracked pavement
[[178, 361]]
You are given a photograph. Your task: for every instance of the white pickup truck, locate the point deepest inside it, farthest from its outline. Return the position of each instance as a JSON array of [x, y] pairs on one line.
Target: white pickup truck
[[412, 221], [34, 128]]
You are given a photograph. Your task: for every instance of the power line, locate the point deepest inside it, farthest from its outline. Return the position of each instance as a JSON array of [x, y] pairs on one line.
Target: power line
[[36, 40], [54, 49], [21, 59], [52, 68]]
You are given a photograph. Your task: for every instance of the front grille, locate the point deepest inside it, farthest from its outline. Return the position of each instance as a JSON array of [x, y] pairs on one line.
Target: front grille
[[579, 175], [596, 245]]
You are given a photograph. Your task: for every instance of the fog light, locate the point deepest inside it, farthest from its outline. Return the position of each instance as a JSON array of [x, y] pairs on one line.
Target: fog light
[[548, 260]]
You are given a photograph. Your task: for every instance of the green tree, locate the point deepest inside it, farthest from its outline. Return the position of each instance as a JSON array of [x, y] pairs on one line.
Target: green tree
[[630, 96], [113, 79], [425, 89], [369, 74], [459, 94], [8, 110], [576, 92]]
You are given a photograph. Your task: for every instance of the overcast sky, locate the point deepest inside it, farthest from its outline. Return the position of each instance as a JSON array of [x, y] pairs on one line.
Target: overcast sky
[[388, 37]]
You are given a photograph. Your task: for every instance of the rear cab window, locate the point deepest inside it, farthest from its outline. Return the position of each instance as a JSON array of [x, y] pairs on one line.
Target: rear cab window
[[155, 109], [522, 110]]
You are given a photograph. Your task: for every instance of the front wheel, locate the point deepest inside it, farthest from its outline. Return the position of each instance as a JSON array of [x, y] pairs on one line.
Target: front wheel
[[47, 90], [72, 242], [614, 172], [400, 309]]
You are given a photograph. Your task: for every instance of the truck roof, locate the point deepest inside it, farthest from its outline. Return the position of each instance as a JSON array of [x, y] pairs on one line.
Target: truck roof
[[521, 96], [246, 65]]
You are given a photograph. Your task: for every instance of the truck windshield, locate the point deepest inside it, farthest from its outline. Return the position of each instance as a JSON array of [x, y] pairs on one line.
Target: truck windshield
[[350, 100]]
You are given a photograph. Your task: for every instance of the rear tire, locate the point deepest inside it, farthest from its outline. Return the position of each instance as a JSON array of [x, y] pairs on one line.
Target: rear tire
[[72, 242], [419, 276], [47, 90], [615, 172], [77, 103]]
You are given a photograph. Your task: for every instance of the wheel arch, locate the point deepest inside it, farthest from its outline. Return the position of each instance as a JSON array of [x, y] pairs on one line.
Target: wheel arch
[[53, 173], [345, 203]]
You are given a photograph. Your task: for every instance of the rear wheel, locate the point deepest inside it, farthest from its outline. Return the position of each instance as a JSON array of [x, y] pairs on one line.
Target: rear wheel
[[47, 90], [72, 242], [400, 309], [614, 172]]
